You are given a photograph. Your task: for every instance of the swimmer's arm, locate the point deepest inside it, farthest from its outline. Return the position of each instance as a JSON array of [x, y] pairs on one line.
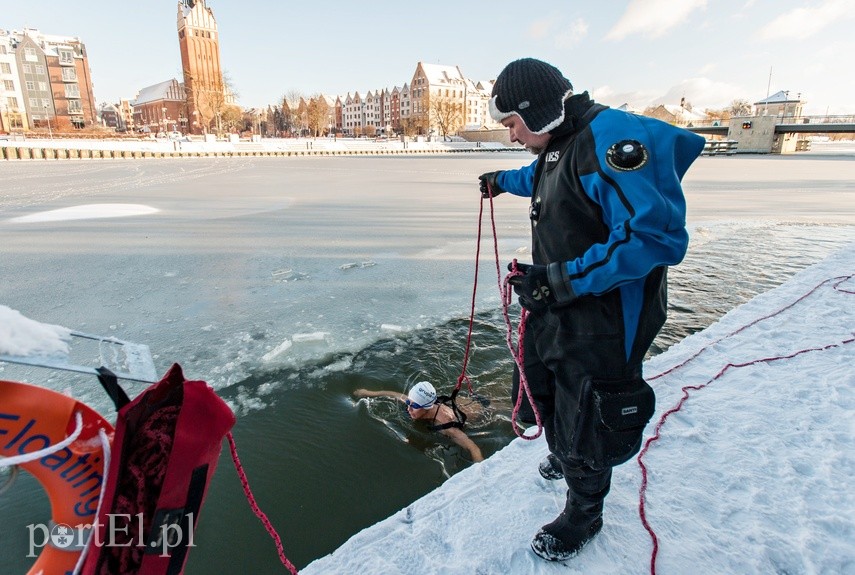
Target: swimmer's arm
[[461, 439], [361, 393]]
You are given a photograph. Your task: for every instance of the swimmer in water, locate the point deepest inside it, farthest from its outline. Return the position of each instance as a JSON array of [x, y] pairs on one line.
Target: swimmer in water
[[421, 405]]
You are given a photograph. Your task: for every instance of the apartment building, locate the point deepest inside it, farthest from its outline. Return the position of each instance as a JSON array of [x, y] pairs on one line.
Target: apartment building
[[13, 115], [478, 96], [46, 82], [353, 114], [438, 100]]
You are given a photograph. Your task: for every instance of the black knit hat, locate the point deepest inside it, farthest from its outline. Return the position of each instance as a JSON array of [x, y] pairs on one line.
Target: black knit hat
[[535, 91]]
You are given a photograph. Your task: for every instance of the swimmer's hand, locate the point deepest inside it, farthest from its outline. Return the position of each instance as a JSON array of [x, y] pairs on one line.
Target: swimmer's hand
[[364, 393]]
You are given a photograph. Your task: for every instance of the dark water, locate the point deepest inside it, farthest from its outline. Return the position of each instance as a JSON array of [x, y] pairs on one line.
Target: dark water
[[323, 467]]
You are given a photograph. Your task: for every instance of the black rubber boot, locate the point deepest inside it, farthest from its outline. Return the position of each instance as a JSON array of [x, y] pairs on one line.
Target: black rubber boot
[[550, 468], [572, 529]]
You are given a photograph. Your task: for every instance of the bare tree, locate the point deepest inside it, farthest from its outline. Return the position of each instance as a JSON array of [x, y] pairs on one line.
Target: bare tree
[[211, 99], [447, 114], [317, 114], [739, 107], [716, 115], [290, 111], [231, 118], [412, 125], [406, 126], [736, 108], [303, 117]]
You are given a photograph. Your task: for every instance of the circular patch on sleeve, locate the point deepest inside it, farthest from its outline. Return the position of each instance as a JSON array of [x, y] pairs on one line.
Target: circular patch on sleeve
[[627, 155]]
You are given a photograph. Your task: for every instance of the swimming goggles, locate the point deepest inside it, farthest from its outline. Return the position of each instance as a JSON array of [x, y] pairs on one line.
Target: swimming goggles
[[414, 405]]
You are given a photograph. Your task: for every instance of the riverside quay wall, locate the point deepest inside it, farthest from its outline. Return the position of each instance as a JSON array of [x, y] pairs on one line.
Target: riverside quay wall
[[94, 149]]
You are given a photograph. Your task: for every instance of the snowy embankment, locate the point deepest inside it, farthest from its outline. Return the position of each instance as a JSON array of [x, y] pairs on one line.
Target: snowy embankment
[[752, 474]]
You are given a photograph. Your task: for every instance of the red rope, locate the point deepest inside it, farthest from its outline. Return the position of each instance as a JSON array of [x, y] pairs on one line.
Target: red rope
[[463, 377], [518, 354], [256, 509], [836, 287], [685, 390], [506, 295]]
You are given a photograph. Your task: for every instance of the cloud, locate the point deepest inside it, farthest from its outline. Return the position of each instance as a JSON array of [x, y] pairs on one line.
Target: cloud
[[702, 93], [637, 100], [653, 18], [708, 68], [802, 23], [565, 35], [539, 29], [571, 35]]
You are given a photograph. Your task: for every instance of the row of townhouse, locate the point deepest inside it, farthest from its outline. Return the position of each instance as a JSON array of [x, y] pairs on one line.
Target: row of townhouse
[[45, 82], [437, 100]]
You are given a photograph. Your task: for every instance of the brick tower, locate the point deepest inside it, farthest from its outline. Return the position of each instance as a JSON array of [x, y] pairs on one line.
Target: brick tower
[[200, 63]]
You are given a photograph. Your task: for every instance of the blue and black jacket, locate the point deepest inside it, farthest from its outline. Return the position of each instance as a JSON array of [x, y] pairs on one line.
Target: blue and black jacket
[[608, 213]]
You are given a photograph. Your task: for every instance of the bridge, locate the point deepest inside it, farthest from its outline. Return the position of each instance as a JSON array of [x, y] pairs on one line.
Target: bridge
[[773, 134], [786, 125]]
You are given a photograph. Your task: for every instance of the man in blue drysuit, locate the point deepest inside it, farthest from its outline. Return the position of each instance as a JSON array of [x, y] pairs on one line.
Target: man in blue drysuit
[[607, 217]]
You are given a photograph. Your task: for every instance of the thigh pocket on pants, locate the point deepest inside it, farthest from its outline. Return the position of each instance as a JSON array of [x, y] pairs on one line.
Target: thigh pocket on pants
[[612, 417]]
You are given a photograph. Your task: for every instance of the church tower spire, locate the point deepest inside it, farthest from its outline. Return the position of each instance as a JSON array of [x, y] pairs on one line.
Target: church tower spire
[[200, 63]]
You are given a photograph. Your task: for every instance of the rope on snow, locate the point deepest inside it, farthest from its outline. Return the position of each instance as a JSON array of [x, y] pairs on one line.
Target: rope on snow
[[685, 390]]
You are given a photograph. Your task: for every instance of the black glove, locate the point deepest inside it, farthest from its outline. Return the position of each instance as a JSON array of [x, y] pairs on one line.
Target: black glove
[[533, 287], [490, 179]]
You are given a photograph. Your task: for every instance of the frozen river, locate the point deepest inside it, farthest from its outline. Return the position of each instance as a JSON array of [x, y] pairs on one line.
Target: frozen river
[[288, 282]]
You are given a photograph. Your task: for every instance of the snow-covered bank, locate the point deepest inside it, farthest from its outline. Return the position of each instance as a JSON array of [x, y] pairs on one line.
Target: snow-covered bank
[[751, 475]]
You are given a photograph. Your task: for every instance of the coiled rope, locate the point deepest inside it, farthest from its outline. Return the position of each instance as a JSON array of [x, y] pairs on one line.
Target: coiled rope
[[506, 295], [685, 393]]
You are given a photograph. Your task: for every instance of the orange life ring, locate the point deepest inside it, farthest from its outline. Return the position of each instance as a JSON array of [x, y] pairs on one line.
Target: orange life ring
[[34, 418]]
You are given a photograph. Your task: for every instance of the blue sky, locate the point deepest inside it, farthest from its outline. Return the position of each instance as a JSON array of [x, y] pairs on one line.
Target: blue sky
[[641, 52]]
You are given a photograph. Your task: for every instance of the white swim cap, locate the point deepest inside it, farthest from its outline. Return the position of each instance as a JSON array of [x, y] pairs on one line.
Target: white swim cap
[[422, 394]]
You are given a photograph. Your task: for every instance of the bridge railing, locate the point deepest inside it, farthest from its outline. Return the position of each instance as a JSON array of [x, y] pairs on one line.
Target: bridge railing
[[816, 119], [789, 119], [720, 147]]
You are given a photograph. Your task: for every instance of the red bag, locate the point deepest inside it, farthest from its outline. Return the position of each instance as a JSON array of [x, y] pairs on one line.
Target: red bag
[[165, 452]]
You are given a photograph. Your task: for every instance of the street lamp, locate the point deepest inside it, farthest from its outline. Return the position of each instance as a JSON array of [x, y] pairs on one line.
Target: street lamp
[[47, 115]]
